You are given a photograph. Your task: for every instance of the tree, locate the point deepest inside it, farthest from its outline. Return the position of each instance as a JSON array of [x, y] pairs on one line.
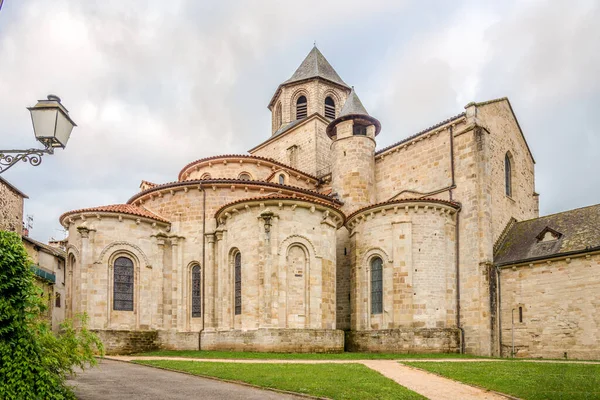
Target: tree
[[34, 362]]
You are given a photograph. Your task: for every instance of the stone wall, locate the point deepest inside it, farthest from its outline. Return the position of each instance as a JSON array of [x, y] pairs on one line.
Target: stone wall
[[560, 308], [11, 209], [404, 340], [275, 340], [128, 341], [416, 242], [310, 140]]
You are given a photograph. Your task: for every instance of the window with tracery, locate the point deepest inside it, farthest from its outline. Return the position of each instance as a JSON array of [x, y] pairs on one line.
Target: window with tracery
[[238, 282], [376, 285], [123, 284], [196, 291]]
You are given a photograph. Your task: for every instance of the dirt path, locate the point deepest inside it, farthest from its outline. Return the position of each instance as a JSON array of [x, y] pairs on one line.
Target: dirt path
[[429, 385]]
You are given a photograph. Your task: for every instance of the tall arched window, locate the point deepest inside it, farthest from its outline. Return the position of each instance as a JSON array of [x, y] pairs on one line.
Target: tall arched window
[[196, 291], [238, 282], [301, 107], [329, 108], [508, 174], [281, 179], [376, 285], [123, 284], [278, 116]]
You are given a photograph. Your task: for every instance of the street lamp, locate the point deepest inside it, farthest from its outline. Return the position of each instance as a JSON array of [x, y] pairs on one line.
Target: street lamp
[[52, 127]]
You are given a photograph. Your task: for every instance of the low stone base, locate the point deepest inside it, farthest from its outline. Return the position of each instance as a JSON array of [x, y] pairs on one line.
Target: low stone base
[[275, 340], [127, 342], [407, 340], [170, 340]]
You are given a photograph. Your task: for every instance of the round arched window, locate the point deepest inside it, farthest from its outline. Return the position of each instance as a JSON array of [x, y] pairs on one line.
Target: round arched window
[[301, 107], [329, 108], [244, 176], [281, 179]]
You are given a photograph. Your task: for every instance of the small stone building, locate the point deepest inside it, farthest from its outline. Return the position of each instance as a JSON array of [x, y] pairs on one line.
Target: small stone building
[[11, 207], [316, 240]]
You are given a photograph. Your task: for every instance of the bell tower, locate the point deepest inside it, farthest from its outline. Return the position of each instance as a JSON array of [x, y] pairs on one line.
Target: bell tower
[[314, 88], [353, 154]]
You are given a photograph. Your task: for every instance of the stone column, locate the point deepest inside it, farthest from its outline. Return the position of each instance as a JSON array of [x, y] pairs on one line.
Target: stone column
[[209, 275]]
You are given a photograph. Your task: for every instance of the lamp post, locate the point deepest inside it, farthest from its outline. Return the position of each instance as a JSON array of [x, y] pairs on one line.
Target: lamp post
[[52, 127]]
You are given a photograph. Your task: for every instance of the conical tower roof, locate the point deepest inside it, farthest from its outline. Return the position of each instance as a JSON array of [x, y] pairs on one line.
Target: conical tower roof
[[353, 109], [353, 105], [315, 65]]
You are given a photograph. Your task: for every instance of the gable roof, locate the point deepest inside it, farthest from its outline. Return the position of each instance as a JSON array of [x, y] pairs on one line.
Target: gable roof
[[315, 65], [501, 99], [579, 231]]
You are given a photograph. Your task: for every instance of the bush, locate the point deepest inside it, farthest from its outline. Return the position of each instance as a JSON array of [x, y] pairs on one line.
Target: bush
[[34, 363]]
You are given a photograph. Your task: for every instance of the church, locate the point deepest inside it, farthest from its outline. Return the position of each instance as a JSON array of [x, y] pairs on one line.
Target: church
[[318, 241]]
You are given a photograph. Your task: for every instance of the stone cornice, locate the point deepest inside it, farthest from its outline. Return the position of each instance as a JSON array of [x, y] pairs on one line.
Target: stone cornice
[[403, 206]]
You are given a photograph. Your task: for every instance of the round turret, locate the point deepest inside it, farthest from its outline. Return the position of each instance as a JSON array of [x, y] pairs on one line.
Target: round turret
[[353, 154]]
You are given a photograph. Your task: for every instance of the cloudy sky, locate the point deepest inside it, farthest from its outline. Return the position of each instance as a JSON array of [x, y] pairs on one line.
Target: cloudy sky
[[155, 84]]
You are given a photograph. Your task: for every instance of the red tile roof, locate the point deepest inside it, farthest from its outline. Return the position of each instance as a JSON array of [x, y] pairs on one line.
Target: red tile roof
[[258, 158], [120, 209]]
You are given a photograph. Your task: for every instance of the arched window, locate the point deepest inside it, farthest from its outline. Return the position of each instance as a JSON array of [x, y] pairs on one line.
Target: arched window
[[301, 107], [281, 179], [278, 116], [196, 291], [57, 300], [123, 284], [244, 176], [238, 282], [205, 176], [329, 108], [376, 285], [507, 175]]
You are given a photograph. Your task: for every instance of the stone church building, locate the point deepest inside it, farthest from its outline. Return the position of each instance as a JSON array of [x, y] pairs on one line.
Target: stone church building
[[316, 241]]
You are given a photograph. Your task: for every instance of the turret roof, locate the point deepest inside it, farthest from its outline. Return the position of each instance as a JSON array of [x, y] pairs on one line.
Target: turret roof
[[353, 105]]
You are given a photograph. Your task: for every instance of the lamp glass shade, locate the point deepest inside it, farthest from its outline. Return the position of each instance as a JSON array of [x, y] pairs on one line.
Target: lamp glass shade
[[52, 125]]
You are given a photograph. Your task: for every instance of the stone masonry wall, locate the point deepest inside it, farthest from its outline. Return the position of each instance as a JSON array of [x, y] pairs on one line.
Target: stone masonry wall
[[404, 340], [307, 137], [560, 304], [128, 341], [276, 340], [11, 209], [415, 168]]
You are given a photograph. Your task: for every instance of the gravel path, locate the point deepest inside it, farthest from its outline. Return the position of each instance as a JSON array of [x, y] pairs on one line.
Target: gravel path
[[114, 380]]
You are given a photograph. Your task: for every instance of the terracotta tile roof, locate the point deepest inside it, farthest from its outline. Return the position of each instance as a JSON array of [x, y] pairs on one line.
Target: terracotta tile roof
[[247, 156], [232, 181], [408, 139], [55, 251], [120, 209], [400, 201], [578, 230], [279, 197]]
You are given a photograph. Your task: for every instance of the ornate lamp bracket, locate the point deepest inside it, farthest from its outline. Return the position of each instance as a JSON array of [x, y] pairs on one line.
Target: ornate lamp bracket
[[8, 158]]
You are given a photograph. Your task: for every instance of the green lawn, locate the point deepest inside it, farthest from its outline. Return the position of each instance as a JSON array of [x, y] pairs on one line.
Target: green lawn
[[296, 356], [527, 380], [335, 381]]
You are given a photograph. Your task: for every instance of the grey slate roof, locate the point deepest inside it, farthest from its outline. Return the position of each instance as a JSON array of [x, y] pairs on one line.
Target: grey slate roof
[[287, 126], [579, 230], [353, 106], [316, 66]]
